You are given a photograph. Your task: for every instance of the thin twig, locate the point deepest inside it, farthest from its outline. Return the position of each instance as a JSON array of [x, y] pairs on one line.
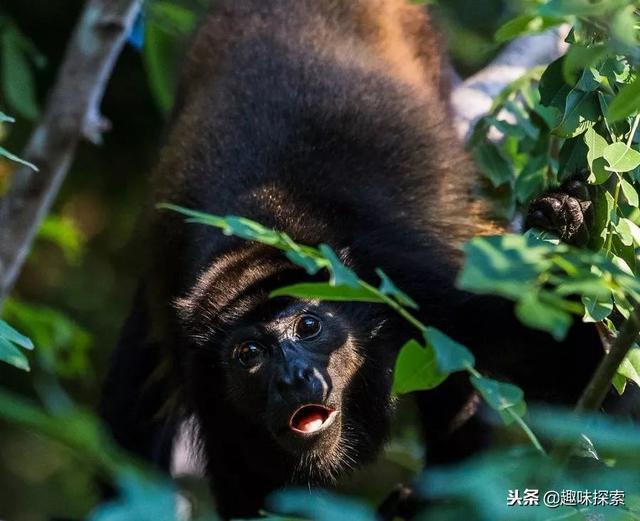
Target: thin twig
[[72, 113], [600, 383]]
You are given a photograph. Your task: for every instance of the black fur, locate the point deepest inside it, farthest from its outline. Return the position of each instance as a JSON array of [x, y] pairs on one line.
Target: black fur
[[327, 120]]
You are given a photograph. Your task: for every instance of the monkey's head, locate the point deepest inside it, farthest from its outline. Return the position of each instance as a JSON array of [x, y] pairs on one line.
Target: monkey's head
[[312, 377]]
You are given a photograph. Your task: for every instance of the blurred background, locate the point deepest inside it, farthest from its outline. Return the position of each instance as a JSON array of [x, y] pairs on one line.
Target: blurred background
[[75, 289]]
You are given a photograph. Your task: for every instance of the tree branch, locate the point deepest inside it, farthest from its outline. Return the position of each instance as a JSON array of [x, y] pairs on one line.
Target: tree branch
[[473, 98], [72, 113], [600, 383]]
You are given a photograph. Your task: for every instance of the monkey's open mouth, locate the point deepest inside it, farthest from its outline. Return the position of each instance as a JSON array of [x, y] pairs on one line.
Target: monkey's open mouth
[[312, 418]]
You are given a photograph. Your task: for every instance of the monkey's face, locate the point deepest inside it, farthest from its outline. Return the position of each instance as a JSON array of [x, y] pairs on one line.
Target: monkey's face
[[309, 379], [291, 367], [313, 377]]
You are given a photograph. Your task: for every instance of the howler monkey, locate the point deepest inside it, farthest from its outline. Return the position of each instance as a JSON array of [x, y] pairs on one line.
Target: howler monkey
[[329, 120]]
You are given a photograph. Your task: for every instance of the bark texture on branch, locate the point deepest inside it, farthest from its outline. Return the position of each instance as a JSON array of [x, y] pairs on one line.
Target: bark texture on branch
[[72, 113], [473, 98]]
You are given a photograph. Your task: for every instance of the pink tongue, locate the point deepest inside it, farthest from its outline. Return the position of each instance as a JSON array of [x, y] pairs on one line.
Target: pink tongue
[[310, 422]]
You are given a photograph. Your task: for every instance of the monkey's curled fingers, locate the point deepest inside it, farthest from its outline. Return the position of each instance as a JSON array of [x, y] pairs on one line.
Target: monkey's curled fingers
[[566, 212]]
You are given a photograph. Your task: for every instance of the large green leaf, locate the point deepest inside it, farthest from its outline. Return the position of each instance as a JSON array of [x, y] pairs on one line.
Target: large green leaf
[[597, 309], [503, 265], [451, 356], [630, 367], [506, 399], [626, 103], [327, 291], [340, 274], [10, 340], [581, 112], [537, 314], [525, 24], [596, 145], [532, 180], [620, 157], [562, 8], [18, 84], [139, 499], [10, 354], [492, 164], [167, 26], [416, 369]]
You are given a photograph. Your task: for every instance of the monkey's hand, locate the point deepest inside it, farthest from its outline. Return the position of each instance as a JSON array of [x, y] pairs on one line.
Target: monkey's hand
[[566, 212]]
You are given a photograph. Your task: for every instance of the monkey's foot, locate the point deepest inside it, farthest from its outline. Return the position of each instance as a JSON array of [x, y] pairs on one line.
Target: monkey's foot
[[566, 212]]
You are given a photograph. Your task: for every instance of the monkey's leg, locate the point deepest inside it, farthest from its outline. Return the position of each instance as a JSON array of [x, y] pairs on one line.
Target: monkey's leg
[[566, 212]]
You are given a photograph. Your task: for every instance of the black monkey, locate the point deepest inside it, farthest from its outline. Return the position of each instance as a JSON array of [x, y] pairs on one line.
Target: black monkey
[[327, 119]]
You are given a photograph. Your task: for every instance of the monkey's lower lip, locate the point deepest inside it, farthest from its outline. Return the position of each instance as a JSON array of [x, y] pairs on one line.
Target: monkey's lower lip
[[311, 419]]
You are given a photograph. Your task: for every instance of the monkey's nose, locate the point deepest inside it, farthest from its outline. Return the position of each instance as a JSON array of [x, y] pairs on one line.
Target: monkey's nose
[[294, 377]]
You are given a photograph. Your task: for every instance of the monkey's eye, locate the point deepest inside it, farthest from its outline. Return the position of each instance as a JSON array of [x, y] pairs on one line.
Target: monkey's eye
[[250, 353], [307, 327]]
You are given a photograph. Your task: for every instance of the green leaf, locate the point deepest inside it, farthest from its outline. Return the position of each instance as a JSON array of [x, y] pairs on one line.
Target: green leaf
[[9, 339], [320, 506], [620, 157], [620, 383], [166, 27], [553, 87], [327, 291], [535, 313], [532, 180], [12, 355], [626, 103], [573, 157], [634, 229], [11, 335], [387, 287], [525, 24], [597, 309], [630, 366], [561, 8], [580, 113], [5, 153], [629, 192], [625, 25], [6, 119], [310, 263], [503, 265], [340, 274], [578, 67], [624, 232], [597, 165], [17, 79], [450, 355], [492, 164], [502, 397], [616, 69], [595, 145], [416, 369], [140, 498]]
